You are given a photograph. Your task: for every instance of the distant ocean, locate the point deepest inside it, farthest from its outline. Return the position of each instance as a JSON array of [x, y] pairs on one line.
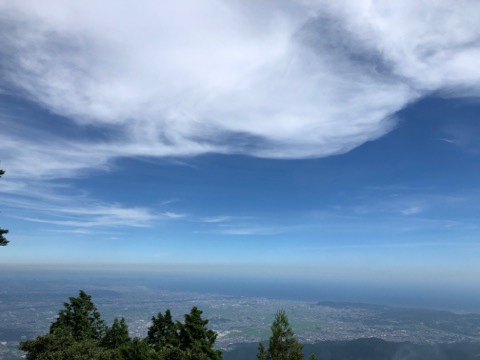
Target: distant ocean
[[426, 296]]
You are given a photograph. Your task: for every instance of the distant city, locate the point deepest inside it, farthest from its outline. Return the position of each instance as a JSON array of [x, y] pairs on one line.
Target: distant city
[[29, 303]]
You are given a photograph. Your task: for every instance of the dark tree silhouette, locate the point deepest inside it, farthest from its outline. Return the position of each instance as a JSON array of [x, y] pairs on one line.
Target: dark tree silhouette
[[3, 240]]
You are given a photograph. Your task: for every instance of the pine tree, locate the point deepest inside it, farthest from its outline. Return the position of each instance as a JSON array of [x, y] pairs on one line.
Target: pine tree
[[80, 333], [75, 334], [137, 349], [262, 354], [163, 332], [283, 344], [80, 319], [195, 339], [3, 239], [117, 335]]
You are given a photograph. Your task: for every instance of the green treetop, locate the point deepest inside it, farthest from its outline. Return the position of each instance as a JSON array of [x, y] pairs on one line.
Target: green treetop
[[282, 345], [117, 335], [76, 334], [163, 332], [79, 333], [80, 319], [196, 339]]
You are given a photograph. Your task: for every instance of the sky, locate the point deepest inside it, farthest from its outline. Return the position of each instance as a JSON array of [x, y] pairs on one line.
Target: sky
[[303, 138]]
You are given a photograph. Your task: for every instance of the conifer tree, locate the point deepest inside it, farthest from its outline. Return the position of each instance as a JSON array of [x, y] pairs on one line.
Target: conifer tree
[[282, 345], [117, 335], [76, 334], [80, 333], [3, 239], [196, 339], [137, 349], [80, 318], [262, 354], [163, 331]]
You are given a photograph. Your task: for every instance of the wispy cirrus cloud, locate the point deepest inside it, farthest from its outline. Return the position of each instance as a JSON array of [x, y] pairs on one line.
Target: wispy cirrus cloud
[[98, 215], [72, 209], [173, 215], [216, 219], [412, 210], [293, 79], [403, 209], [246, 226], [250, 229], [463, 135]]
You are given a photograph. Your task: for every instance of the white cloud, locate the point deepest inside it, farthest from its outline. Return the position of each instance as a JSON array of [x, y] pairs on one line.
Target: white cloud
[[246, 226], [94, 216], [464, 135], [412, 210], [216, 219], [288, 79], [173, 215], [251, 230], [74, 210]]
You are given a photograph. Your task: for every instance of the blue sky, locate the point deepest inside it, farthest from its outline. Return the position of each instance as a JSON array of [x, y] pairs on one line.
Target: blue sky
[[296, 137]]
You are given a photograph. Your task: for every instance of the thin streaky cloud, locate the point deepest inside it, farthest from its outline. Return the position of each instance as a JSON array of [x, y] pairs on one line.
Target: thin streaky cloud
[[216, 219], [450, 141], [173, 215], [78, 212], [251, 230], [413, 210], [100, 221]]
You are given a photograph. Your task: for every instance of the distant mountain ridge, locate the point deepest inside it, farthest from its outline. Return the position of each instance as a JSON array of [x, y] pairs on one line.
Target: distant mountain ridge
[[372, 349]]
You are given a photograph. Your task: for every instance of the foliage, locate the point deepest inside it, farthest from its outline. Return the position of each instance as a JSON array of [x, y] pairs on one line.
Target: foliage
[[195, 338], [80, 319], [80, 333], [190, 340], [3, 239], [262, 354], [282, 345], [137, 350], [372, 349], [163, 332], [117, 335], [59, 346]]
